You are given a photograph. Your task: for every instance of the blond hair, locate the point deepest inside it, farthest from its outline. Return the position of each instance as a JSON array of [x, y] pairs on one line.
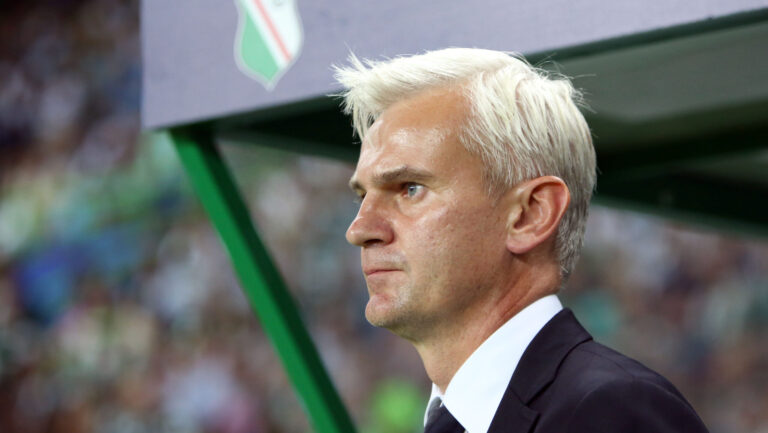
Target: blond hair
[[524, 122]]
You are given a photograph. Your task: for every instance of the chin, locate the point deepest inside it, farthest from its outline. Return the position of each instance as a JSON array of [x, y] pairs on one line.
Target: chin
[[377, 314], [386, 315], [382, 313]]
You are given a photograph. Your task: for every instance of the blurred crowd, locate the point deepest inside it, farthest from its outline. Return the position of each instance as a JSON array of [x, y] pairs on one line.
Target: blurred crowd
[[119, 311]]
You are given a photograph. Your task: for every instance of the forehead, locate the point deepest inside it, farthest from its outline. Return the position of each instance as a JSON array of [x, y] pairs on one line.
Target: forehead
[[421, 132], [444, 108]]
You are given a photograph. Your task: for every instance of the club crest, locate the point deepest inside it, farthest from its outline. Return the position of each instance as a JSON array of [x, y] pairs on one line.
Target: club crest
[[269, 39]]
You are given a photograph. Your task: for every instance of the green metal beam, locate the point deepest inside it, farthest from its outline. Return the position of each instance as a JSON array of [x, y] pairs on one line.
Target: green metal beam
[[261, 281], [342, 151], [618, 163], [738, 208], [649, 37]]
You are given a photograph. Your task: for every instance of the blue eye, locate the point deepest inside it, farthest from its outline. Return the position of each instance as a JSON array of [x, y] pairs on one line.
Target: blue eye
[[412, 189]]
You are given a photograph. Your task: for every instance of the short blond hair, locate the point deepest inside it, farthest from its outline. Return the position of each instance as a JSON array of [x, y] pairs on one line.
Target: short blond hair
[[524, 122]]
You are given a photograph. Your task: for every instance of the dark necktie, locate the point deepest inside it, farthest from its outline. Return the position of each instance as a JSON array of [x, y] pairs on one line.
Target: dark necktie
[[439, 420]]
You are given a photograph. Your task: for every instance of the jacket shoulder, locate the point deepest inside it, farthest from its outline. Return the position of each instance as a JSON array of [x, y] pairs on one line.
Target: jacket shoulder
[[597, 389]]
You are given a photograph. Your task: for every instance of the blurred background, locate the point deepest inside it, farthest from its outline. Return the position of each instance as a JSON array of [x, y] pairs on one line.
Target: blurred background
[[119, 311]]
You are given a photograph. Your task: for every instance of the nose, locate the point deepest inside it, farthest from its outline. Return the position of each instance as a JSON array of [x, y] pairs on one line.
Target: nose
[[370, 227]]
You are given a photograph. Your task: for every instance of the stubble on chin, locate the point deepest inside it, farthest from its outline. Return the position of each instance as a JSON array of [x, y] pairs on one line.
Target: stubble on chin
[[381, 311], [386, 312], [397, 316]]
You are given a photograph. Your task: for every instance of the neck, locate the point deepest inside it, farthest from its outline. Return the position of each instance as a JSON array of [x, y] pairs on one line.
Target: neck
[[444, 351]]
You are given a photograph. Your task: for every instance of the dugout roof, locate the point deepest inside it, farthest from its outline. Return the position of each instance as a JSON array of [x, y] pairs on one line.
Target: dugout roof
[[679, 90]]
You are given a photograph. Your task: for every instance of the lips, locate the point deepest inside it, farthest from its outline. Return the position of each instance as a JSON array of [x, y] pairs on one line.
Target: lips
[[379, 266], [374, 271], [380, 262]]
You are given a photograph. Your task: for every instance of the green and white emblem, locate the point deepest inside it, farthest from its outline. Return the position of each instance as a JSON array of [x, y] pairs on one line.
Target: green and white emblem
[[269, 38]]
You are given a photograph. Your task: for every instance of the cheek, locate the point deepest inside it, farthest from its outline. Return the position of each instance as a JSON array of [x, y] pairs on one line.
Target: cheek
[[454, 240]]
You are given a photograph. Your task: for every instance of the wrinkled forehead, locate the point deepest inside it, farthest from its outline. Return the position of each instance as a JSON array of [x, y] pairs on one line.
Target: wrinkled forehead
[[429, 115], [395, 135], [392, 146], [420, 134]]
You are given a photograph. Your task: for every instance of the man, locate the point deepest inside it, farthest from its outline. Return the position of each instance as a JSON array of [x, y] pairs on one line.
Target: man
[[474, 179]]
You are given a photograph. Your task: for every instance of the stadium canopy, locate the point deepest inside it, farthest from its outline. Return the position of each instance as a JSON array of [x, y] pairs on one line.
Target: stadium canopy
[[678, 94]]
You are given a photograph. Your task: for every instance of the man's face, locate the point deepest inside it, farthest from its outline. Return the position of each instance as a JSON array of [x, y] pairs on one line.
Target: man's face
[[430, 235]]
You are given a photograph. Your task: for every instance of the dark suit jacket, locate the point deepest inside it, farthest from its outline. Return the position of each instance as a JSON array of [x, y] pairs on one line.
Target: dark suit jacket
[[566, 382]]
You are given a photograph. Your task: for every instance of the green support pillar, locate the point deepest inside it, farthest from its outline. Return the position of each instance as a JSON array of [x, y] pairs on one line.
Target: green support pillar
[[261, 281]]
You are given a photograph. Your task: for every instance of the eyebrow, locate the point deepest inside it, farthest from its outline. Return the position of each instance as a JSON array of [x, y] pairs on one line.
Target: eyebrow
[[404, 173]]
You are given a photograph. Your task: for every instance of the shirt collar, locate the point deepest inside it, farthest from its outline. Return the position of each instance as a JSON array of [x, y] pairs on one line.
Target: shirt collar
[[474, 393]]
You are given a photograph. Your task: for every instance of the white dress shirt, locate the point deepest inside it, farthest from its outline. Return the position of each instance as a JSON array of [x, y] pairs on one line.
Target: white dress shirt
[[474, 393]]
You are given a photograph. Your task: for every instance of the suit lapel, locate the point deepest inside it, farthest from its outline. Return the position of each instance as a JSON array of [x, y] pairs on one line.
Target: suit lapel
[[513, 416], [536, 370]]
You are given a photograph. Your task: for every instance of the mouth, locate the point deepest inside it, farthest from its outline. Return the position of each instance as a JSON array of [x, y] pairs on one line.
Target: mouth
[[381, 264], [377, 271]]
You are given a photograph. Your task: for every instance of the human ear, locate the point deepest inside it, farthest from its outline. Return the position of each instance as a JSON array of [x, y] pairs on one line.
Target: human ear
[[538, 206]]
